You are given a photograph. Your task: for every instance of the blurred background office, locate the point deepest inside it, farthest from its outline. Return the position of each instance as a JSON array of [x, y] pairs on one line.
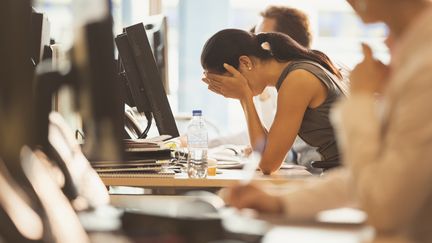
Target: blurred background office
[[337, 31]]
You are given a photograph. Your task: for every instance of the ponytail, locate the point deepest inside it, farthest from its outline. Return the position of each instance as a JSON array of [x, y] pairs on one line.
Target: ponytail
[[284, 48], [325, 61], [228, 45]]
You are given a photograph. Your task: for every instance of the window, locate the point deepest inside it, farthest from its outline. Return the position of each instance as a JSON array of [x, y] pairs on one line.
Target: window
[[61, 16], [337, 32]]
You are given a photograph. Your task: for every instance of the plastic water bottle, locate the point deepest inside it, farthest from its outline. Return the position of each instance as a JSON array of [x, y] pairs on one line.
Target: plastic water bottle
[[197, 140]]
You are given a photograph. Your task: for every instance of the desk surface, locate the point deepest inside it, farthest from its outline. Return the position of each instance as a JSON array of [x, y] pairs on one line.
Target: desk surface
[[273, 231], [277, 233], [228, 177], [325, 234]]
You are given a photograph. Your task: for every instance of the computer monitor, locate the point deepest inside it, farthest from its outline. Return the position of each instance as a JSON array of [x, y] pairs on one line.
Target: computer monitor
[[157, 31], [16, 85], [144, 79], [40, 36], [100, 93], [129, 70]]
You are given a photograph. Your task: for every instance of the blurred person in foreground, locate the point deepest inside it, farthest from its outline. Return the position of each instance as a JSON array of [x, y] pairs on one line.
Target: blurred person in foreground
[[385, 142]]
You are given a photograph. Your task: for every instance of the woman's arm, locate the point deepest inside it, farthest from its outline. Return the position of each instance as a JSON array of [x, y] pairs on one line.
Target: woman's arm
[[257, 131], [297, 92], [302, 201], [299, 89]]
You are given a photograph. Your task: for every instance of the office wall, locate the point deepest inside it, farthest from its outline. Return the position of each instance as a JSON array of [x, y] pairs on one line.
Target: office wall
[[196, 25]]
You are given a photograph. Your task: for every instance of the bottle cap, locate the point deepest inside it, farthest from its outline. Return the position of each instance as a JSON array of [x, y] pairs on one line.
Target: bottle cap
[[196, 113]]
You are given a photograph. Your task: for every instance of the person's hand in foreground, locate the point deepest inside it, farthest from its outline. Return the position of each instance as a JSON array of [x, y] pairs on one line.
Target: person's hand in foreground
[[370, 76], [233, 85], [252, 197]]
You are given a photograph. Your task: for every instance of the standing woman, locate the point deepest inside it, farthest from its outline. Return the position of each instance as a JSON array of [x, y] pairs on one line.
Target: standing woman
[[240, 65]]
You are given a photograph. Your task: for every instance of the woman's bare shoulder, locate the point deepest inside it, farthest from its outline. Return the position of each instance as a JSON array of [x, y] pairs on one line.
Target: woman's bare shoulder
[[302, 81]]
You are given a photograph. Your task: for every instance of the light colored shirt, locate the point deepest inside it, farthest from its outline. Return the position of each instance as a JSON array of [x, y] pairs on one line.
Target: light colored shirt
[[388, 151]]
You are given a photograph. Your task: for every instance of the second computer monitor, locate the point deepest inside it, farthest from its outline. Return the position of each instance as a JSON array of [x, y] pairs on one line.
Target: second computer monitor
[[157, 31], [150, 88], [40, 34]]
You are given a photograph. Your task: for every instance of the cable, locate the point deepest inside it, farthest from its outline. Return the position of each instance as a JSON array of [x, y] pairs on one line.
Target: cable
[[149, 117]]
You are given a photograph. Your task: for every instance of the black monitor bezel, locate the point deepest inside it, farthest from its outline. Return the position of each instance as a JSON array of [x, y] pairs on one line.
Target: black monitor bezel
[[134, 83], [40, 34], [151, 80]]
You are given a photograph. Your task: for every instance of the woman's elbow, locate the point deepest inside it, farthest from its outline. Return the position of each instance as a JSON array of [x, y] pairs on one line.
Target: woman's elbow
[[268, 169]]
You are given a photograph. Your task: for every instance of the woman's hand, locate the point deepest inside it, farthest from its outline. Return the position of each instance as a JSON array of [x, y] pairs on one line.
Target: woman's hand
[[250, 196], [370, 76], [234, 86]]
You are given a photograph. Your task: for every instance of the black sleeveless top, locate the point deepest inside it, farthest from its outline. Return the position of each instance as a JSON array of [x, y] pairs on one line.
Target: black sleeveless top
[[316, 129]]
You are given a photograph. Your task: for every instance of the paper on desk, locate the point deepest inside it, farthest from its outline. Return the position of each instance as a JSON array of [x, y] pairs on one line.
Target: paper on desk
[[226, 159], [292, 166]]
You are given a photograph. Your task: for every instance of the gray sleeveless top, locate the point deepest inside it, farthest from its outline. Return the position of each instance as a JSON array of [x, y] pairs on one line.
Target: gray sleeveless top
[[316, 129]]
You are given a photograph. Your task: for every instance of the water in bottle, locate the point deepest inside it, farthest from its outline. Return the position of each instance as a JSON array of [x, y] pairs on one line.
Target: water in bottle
[[197, 139]]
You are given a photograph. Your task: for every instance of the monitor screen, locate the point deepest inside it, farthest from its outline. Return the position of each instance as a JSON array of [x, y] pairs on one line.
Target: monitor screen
[[129, 69], [100, 93], [40, 36], [16, 85], [156, 28], [144, 79]]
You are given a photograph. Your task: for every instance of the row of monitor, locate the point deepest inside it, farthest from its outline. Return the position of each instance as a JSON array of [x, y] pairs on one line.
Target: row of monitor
[[142, 64], [142, 69], [143, 78], [95, 76], [40, 34]]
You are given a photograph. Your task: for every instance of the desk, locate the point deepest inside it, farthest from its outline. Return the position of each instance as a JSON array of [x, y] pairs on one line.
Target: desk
[[321, 233], [279, 231], [274, 231], [228, 178]]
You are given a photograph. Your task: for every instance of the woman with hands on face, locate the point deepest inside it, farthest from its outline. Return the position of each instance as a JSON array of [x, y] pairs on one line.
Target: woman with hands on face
[[239, 65], [368, 78]]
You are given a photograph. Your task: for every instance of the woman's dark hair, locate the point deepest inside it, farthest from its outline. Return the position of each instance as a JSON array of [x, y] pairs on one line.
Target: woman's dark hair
[[228, 45]]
